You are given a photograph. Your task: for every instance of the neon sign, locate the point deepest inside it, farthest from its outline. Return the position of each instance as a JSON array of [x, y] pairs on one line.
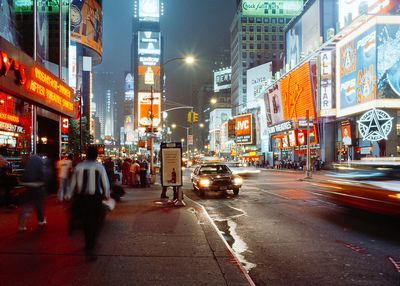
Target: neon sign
[[375, 125], [7, 64]]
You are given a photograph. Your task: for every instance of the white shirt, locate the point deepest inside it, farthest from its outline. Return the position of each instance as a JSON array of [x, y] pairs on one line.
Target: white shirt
[[89, 169]]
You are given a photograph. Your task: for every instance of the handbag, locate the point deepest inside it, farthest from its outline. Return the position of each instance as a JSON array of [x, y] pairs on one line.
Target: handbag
[[109, 204]]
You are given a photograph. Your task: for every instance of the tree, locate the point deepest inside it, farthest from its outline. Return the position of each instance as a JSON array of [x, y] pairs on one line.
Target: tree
[[74, 139]]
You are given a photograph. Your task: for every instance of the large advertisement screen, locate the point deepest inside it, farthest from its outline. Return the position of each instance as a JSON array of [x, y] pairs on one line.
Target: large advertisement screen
[[149, 10], [222, 79], [351, 10], [273, 96], [297, 93], [146, 107], [368, 64], [304, 36], [258, 79], [273, 8], [87, 24], [244, 129], [149, 43], [128, 88]]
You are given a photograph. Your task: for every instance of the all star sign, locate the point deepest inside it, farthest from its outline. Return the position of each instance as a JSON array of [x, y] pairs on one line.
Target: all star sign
[[375, 125]]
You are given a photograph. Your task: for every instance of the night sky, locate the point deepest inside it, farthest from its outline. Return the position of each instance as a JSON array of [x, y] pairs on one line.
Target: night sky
[[198, 27]]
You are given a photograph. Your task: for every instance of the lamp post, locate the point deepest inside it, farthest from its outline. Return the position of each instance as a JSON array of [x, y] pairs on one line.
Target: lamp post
[[187, 60], [187, 136]]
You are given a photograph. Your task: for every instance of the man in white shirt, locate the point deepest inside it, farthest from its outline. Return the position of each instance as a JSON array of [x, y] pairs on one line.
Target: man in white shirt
[[90, 183]]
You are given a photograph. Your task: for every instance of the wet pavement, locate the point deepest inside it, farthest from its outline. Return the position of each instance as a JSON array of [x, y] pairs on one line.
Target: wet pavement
[[144, 241]]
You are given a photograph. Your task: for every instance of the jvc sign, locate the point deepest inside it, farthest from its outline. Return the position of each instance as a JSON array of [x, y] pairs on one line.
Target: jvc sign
[[243, 129]]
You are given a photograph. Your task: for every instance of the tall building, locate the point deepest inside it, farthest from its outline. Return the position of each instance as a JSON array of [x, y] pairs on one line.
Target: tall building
[[257, 37], [147, 56]]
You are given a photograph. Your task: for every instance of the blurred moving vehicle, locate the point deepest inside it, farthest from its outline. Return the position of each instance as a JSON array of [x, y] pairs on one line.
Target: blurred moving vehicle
[[242, 169], [371, 185], [215, 177]]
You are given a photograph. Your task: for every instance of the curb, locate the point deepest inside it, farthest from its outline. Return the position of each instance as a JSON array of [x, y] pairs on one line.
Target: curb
[[237, 262]]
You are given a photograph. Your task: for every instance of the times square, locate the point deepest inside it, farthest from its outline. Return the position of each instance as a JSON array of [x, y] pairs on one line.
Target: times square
[[229, 142]]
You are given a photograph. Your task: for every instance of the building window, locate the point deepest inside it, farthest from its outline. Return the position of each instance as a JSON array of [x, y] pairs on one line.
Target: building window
[[266, 20], [244, 46], [259, 46], [288, 20], [273, 20], [258, 20], [281, 20], [251, 20], [251, 38], [244, 81], [244, 64], [244, 72], [266, 46], [243, 37], [251, 28], [251, 55], [266, 29], [258, 29], [244, 20], [244, 55], [281, 29], [243, 28], [266, 37], [273, 29], [258, 37], [281, 46], [273, 37], [251, 46], [281, 38]]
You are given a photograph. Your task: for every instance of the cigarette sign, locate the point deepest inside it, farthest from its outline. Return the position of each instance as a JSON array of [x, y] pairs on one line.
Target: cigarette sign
[[243, 129]]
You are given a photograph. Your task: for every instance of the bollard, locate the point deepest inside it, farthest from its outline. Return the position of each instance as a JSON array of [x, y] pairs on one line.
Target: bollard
[[179, 200]]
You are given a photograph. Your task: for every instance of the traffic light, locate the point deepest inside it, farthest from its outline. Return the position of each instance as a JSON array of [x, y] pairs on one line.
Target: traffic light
[[195, 117], [189, 117]]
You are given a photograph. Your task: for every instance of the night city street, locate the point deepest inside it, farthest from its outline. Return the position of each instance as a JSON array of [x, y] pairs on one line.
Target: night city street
[[200, 142]]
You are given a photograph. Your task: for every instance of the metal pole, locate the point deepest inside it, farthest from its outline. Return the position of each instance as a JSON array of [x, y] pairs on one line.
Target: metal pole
[[34, 108], [187, 142], [308, 165], [151, 130]]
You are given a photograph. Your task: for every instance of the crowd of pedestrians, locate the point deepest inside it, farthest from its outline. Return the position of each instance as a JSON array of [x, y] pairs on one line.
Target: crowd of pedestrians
[[135, 173]]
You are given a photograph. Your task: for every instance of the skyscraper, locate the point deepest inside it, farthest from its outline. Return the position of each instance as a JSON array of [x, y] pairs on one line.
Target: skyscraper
[[257, 37]]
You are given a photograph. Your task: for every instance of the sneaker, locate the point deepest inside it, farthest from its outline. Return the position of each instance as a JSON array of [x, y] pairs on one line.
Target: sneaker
[[43, 222]]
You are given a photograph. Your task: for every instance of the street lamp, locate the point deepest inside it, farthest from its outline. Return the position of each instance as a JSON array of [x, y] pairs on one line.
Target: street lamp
[[187, 60]]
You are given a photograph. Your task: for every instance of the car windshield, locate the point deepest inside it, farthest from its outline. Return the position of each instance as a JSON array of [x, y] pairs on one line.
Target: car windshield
[[217, 169]]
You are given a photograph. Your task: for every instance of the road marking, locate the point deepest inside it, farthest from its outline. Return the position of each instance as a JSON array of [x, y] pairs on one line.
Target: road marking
[[353, 247], [395, 263]]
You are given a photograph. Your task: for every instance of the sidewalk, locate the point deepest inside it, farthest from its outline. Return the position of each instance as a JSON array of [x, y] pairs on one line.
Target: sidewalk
[[316, 175], [144, 241]]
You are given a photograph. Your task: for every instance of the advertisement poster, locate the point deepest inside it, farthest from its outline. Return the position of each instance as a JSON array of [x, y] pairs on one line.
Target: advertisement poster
[[244, 129], [388, 79], [87, 24], [149, 43], [258, 79], [145, 111], [273, 96], [297, 94], [345, 128], [222, 79], [171, 165], [326, 100], [149, 10], [358, 70]]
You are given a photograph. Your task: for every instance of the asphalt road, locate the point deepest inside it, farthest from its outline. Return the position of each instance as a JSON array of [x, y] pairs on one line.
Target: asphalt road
[[285, 232]]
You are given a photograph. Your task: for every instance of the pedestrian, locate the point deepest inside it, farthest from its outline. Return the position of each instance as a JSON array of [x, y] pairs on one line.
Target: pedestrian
[[34, 180], [91, 185], [109, 166], [135, 173], [143, 173], [125, 171], [64, 167]]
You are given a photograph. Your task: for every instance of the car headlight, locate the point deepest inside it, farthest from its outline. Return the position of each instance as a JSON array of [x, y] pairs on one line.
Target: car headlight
[[237, 181], [204, 182]]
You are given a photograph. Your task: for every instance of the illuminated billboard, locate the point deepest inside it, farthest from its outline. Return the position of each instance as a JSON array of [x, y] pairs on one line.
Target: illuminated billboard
[[87, 24], [273, 96], [149, 10], [149, 43], [297, 93], [351, 10], [222, 79], [326, 76], [128, 88], [146, 107], [244, 129], [258, 79], [368, 62], [303, 37], [272, 8]]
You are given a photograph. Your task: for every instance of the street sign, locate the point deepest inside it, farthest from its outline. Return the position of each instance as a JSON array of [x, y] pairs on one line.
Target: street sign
[[190, 139]]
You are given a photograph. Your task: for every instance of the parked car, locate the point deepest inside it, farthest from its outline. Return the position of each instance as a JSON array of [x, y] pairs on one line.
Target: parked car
[[215, 177]]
